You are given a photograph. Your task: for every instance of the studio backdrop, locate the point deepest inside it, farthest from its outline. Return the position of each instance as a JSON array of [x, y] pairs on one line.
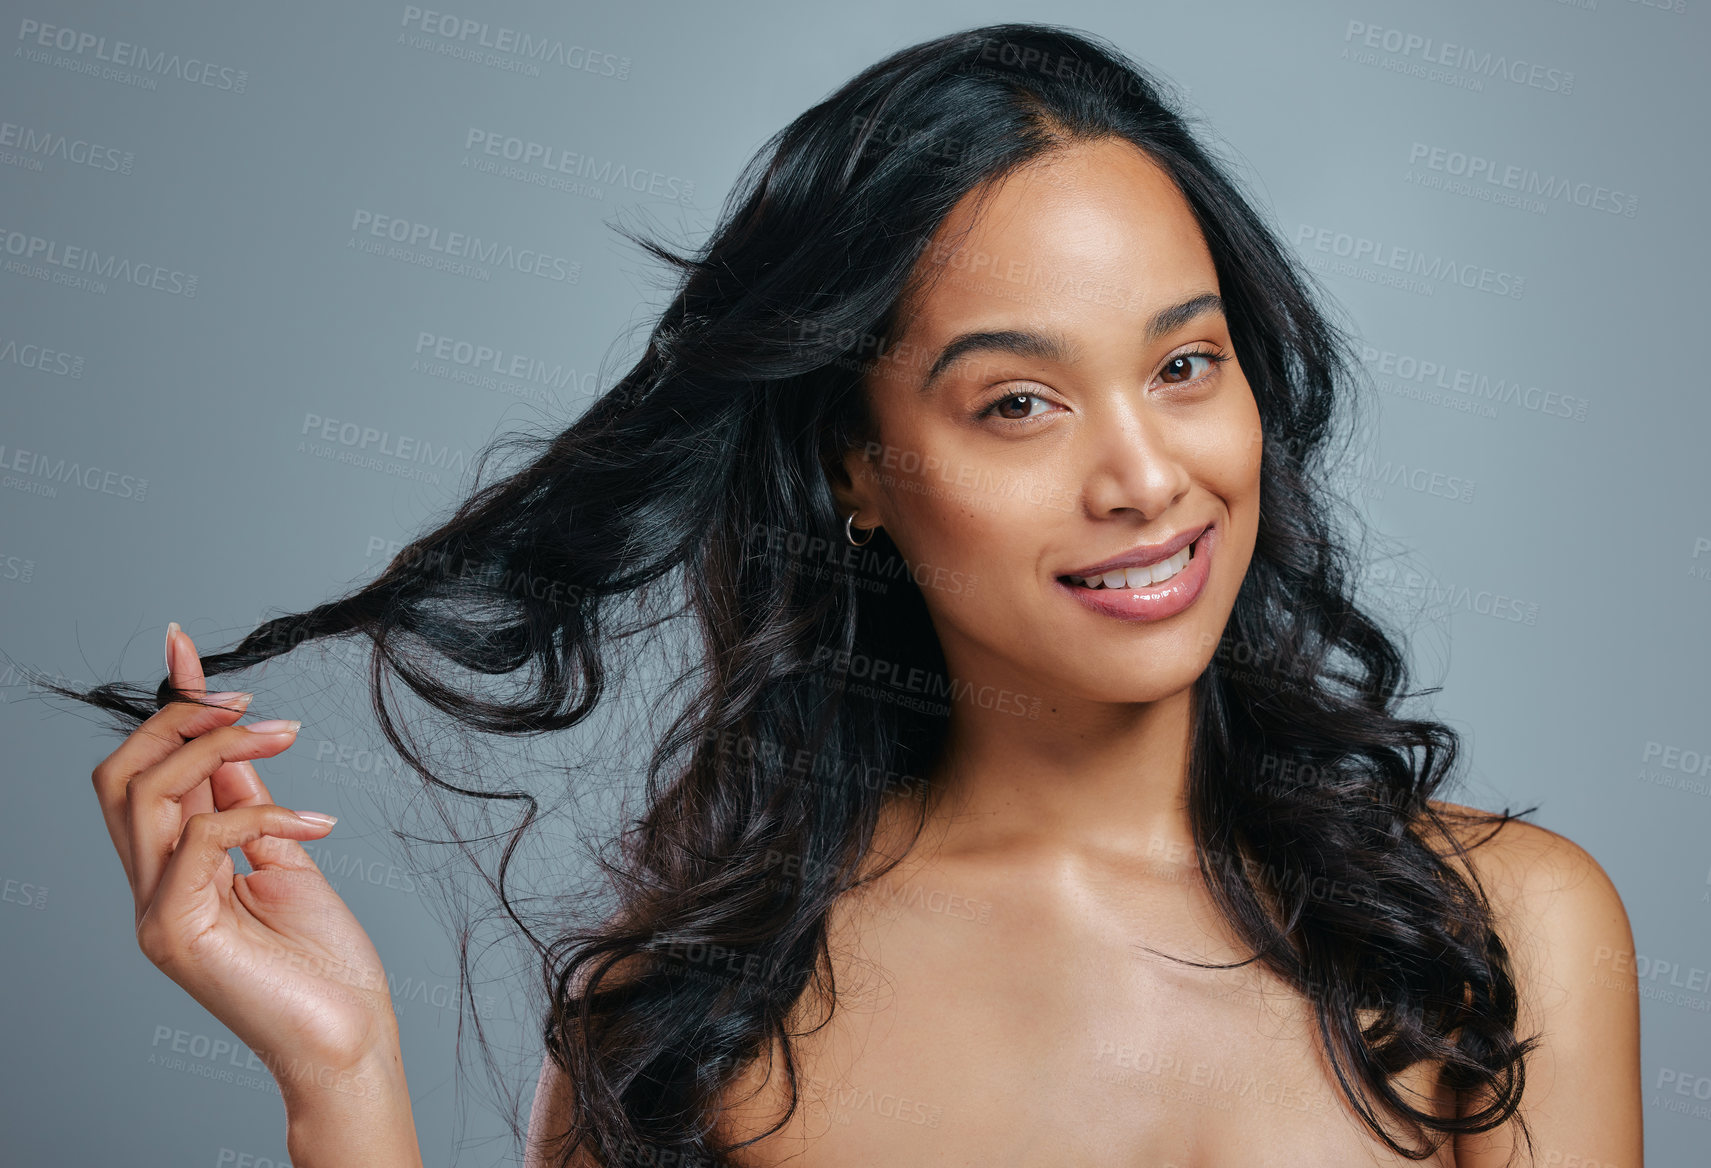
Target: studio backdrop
[[275, 275]]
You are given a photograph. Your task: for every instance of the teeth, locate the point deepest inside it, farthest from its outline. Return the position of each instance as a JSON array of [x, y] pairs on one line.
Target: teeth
[[1139, 577]]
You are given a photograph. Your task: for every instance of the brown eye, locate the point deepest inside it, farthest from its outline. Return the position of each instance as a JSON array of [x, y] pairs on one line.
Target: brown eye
[[1015, 408], [1184, 365]]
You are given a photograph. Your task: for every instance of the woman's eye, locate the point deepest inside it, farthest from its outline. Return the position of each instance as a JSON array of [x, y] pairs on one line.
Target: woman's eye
[[1017, 407], [1183, 365]]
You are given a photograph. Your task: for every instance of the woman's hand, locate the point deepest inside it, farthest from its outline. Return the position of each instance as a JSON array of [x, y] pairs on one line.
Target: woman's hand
[[274, 954]]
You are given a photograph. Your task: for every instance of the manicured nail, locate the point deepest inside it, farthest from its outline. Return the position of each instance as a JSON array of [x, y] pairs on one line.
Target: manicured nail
[[274, 726], [235, 698], [318, 818], [171, 628]]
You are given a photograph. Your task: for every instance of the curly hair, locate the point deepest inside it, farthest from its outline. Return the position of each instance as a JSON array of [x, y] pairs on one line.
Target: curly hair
[[1304, 774]]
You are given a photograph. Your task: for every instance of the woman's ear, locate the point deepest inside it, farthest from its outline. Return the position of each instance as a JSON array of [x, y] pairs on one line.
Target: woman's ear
[[854, 479], [850, 457]]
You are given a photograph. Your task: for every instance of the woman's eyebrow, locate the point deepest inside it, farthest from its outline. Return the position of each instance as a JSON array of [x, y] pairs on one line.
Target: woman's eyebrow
[[1050, 345], [1166, 320]]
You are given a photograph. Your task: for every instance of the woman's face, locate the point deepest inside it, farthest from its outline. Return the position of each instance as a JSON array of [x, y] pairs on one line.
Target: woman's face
[[1106, 415]]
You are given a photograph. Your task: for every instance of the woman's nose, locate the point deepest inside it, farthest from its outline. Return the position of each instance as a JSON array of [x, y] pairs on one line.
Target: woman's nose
[[1133, 462]]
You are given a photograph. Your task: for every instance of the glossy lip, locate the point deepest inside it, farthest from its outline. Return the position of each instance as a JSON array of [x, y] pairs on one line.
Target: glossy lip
[[1160, 600], [1142, 556]]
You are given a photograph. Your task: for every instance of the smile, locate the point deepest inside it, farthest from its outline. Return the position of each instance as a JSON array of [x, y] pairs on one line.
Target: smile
[[1143, 577], [1147, 592]]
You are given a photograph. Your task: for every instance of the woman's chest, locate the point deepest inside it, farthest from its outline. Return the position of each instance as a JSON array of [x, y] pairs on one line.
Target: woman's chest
[[968, 1035]]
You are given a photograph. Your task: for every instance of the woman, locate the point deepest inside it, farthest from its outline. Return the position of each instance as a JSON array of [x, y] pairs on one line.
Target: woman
[[1043, 797]]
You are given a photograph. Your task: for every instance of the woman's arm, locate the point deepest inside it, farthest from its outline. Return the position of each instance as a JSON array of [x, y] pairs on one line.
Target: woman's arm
[[327, 1127], [1573, 956], [273, 953]]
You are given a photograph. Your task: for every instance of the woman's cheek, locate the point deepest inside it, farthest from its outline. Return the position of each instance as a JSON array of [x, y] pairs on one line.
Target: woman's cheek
[[956, 550], [962, 548], [1241, 448]]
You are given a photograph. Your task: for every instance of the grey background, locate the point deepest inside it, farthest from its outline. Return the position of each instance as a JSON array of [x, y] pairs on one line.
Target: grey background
[[1563, 593]]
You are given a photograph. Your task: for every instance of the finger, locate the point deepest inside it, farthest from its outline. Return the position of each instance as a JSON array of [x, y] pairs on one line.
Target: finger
[[184, 667], [162, 733], [155, 817], [176, 723], [150, 743], [178, 911], [238, 785]]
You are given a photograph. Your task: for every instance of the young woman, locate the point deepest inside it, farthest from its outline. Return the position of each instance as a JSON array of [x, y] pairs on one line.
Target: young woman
[[1042, 795]]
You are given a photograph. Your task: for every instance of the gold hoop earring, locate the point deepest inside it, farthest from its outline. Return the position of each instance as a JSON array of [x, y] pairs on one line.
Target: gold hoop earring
[[849, 532]]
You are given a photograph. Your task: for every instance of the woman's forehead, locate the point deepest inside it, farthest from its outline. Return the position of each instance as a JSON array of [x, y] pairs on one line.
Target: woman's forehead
[[1094, 229]]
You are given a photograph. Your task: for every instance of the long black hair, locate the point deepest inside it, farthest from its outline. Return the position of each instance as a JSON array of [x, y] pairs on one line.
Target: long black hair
[[698, 480]]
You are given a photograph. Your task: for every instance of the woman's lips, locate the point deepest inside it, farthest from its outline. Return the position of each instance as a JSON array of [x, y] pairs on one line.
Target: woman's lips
[[1159, 600]]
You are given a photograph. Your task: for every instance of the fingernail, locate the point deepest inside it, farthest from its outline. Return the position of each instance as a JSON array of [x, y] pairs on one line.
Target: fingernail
[[171, 628], [318, 818], [274, 726], [231, 697]]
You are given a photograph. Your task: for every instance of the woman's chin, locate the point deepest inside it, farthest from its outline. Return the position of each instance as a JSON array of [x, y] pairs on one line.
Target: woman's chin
[[1121, 688]]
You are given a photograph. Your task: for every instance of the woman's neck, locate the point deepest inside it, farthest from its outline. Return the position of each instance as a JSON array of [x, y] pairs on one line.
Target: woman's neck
[[1075, 779]]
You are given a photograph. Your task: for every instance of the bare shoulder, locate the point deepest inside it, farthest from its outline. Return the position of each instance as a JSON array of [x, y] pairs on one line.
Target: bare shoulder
[[555, 1096], [1571, 951], [549, 1119], [1533, 874], [1556, 909]]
